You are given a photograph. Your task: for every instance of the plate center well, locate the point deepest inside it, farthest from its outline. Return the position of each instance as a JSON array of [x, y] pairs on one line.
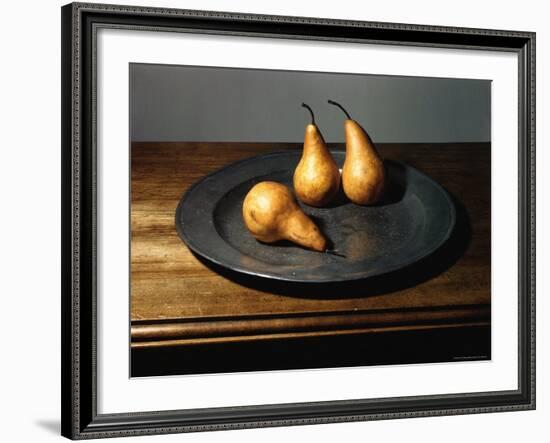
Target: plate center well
[[359, 233]]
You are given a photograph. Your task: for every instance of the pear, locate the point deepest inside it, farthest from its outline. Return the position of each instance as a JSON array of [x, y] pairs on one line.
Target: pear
[[316, 178], [271, 213], [363, 173]]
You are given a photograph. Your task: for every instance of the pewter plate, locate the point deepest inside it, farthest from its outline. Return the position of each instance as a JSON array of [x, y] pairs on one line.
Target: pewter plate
[[416, 217]]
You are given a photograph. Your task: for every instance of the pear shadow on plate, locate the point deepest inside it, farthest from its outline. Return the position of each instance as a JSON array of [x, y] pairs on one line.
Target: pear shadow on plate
[[396, 184], [395, 190], [423, 270]]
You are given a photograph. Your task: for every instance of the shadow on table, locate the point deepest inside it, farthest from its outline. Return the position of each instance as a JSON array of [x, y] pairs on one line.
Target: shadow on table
[[426, 269]]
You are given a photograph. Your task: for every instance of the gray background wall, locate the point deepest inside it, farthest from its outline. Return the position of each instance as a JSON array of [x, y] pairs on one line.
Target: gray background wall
[[186, 103]]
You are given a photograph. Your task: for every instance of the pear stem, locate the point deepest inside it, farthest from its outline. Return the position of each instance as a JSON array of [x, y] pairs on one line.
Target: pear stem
[[332, 102], [311, 112], [334, 252]]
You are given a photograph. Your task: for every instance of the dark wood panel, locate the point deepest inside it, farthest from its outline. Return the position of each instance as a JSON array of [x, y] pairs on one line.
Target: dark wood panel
[[171, 288], [380, 346]]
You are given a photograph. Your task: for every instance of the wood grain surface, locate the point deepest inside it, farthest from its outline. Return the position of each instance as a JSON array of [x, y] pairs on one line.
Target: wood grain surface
[[176, 299]]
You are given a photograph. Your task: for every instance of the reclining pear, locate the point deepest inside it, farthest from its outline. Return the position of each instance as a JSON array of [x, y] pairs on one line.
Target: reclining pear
[[271, 214]]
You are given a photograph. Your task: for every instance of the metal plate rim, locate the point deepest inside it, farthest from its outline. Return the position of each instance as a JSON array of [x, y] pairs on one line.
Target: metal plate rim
[[294, 279]]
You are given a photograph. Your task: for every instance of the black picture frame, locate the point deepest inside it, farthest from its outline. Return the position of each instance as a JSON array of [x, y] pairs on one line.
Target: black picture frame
[[79, 171]]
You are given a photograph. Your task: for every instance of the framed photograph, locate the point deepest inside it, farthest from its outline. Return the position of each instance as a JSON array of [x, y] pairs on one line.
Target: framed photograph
[[274, 221]]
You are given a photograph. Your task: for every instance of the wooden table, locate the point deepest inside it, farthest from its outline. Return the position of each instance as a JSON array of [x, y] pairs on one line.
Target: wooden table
[[179, 301]]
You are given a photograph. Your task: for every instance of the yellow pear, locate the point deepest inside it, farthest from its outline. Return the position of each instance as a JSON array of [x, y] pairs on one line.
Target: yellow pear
[[316, 178], [363, 173], [271, 213]]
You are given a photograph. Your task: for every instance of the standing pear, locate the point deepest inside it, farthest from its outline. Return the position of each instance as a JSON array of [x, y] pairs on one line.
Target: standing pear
[[363, 173], [316, 178]]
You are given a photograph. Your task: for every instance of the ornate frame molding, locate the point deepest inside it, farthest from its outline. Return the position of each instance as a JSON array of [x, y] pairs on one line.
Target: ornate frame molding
[[79, 391]]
